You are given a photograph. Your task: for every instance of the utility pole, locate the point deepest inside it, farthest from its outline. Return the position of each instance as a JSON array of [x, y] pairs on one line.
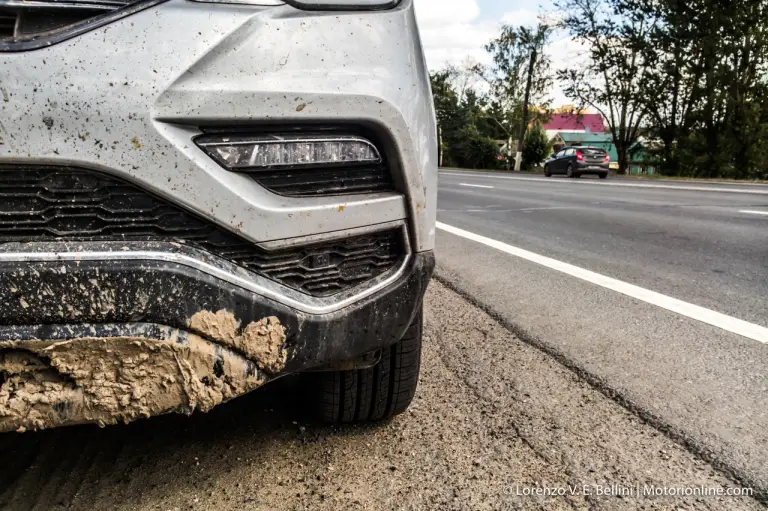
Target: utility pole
[[524, 125]]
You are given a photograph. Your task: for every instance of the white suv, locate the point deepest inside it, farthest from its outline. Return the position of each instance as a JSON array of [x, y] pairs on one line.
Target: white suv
[[200, 197]]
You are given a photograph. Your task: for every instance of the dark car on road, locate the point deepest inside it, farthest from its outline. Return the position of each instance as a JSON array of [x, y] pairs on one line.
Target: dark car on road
[[577, 160]]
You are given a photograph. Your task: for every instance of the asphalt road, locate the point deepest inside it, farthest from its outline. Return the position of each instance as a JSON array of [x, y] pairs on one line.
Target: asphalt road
[[705, 244]]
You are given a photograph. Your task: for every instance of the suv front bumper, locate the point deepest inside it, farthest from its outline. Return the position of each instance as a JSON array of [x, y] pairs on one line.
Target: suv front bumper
[[114, 339]]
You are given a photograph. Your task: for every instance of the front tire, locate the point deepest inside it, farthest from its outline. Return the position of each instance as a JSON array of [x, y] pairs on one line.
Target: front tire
[[547, 173], [374, 393]]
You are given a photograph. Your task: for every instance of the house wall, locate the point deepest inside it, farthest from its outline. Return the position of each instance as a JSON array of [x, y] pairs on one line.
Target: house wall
[[639, 169]]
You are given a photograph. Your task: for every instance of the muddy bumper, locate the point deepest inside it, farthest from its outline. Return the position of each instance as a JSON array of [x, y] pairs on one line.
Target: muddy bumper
[[115, 339]]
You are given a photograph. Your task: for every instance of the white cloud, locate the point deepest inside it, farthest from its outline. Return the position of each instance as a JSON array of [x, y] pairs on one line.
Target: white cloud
[[564, 53], [525, 17], [453, 33]]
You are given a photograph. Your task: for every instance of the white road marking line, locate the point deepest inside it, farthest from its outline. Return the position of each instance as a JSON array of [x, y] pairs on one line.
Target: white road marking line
[[489, 209], [544, 208], [753, 212], [475, 186], [603, 183], [717, 319]]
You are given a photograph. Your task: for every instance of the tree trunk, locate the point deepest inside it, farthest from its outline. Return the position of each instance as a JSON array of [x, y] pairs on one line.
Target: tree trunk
[[439, 146], [669, 160], [524, 125], [509, 151], [622, 151]]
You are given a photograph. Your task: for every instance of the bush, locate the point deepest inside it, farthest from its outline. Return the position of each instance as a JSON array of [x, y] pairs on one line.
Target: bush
[[473, 150], [536, 147]]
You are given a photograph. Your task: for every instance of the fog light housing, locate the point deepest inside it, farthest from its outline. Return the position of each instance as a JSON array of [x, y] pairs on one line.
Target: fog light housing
[[244, 153]]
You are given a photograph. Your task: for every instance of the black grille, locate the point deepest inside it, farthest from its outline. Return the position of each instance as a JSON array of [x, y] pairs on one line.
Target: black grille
[[327, 268], [62, 204], [339, 181], [26, 25], [7, 23]]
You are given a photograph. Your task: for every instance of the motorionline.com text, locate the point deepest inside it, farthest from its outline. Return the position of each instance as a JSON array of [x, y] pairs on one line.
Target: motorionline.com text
[[637, 490]]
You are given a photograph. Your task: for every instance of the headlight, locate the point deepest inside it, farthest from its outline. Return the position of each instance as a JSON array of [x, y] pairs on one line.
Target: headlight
[[337, 5], [242, 152], [318, 5]]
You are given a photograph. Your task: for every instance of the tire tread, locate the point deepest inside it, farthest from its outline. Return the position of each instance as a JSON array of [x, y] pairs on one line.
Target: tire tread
[[375, 393]]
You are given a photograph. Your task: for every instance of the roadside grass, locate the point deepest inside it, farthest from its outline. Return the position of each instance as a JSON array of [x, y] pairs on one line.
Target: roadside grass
[[682, 178]]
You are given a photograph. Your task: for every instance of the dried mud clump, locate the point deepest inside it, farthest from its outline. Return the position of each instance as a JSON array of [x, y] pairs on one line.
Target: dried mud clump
[[119, 379], [261, 341], [53, 383]]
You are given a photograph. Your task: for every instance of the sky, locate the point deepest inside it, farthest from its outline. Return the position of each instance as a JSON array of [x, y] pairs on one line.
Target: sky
[[453, 31]]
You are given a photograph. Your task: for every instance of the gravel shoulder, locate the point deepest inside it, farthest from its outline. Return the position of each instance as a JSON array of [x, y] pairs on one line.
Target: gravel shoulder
[[493, 417]]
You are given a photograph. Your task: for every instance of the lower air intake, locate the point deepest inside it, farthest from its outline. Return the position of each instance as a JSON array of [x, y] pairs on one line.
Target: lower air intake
[[317, 182], [64, 204]]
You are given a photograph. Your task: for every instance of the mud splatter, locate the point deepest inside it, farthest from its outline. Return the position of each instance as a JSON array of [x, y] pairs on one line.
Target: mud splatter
[[106, 381], [262, 341]]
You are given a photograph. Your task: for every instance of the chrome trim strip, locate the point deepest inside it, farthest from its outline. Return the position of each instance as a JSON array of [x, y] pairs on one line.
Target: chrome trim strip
[[333, 236], [243, 2], [65, 4], [247, 284], [215, 267]]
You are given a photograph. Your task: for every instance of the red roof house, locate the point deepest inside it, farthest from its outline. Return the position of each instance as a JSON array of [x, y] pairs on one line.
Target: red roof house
[[573, 122]]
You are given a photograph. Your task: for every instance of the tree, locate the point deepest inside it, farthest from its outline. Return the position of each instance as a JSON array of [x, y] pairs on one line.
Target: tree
[[704, 86], [609, 80], [668, 84], [446, 107], [475, 150], [536, 147], [689, 76], [520, 74], [465, 132]]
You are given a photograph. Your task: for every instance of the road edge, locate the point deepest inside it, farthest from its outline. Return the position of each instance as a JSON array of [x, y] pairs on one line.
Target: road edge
[[678, 436]]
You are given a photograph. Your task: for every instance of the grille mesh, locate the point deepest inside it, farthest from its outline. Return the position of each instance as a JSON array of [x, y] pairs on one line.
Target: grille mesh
[[7, 23], [62, 204], [339, 181]]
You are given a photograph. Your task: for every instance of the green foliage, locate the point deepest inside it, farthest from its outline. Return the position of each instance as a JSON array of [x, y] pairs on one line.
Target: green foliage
[[471, 127], [614, 33], [511, 52], [707, 91], [465, 130], [536, 147], [689, 75], [686, 78], [474, 150]]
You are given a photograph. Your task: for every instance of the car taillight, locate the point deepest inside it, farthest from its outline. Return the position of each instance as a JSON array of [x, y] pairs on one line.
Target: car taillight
[[607, 159], [579, 156]]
